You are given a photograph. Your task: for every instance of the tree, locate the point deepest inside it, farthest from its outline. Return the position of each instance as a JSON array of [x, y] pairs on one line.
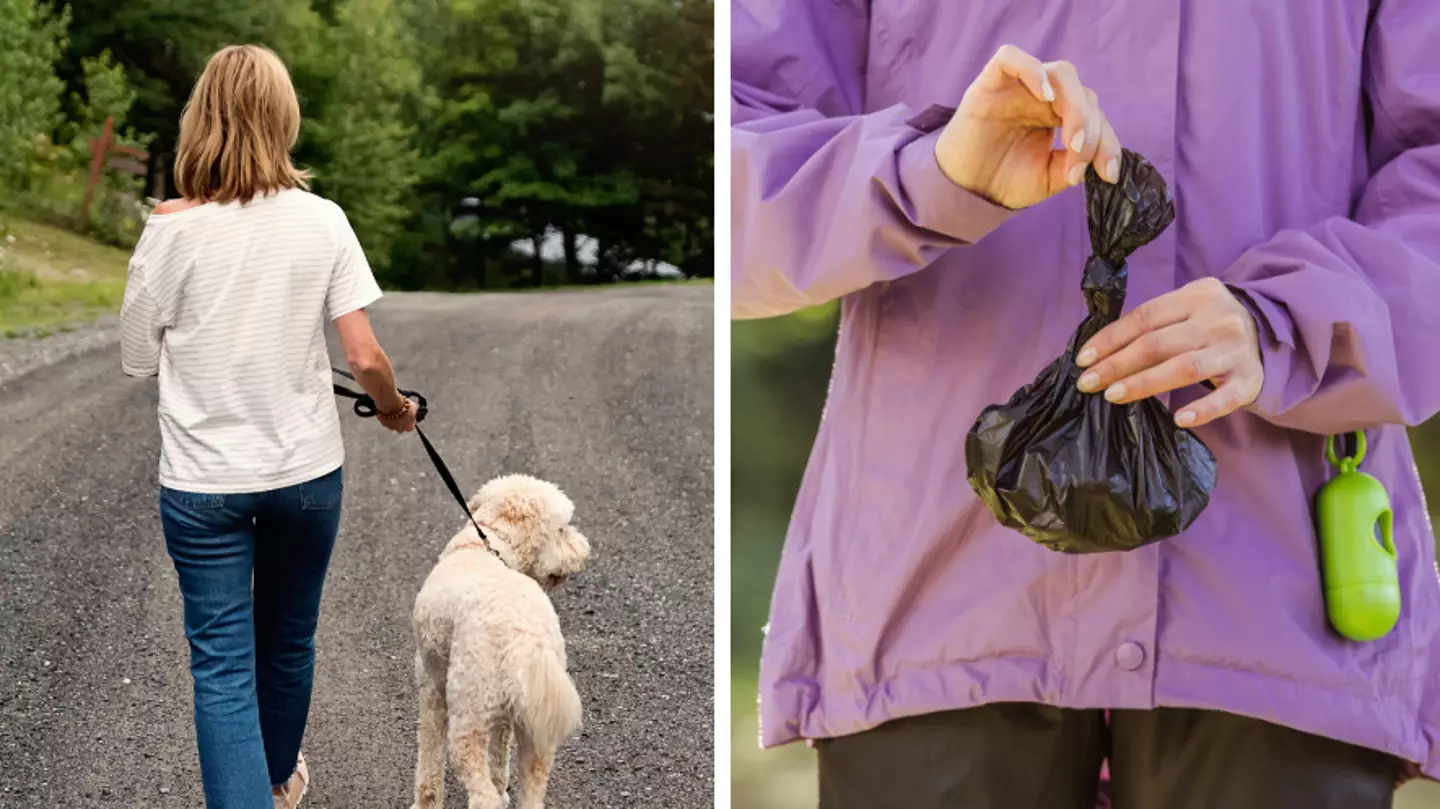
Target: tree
[[511, 79], [360, 140], [108, 94], [31, 40], [659, 69], [163, 45], [577, 117], [554, 114]]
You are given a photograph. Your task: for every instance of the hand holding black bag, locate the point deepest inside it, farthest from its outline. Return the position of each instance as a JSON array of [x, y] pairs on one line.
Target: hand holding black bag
[[1070, 470]]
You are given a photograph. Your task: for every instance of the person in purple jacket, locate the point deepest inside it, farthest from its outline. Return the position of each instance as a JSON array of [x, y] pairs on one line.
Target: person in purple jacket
[[937, 659]]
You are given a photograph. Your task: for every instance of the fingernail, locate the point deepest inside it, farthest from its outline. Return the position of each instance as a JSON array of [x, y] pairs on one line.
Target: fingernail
[[1046, 89], [1115, 392], [1112, 170], [1077, 174], [1184, 418], [1078, 141], [1086, 357], [1089, 382]]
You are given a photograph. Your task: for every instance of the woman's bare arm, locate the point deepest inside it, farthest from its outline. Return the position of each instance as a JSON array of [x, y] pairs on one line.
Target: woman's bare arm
[[368, 361]]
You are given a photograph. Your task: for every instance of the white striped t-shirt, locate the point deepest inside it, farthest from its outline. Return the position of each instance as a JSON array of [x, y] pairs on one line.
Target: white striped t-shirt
[[227, 304]]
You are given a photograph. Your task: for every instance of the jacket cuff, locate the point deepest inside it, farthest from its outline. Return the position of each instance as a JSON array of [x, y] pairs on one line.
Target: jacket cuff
[[939, 205], [1276, 334]]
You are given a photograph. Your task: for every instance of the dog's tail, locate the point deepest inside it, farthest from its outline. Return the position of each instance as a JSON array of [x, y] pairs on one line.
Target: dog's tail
[[549, 705]]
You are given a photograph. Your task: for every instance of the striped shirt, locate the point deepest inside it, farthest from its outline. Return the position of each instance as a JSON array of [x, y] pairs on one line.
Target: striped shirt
[[227, 305]]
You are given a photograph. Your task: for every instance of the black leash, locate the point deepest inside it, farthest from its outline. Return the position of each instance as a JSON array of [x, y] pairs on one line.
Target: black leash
[[365, 408]]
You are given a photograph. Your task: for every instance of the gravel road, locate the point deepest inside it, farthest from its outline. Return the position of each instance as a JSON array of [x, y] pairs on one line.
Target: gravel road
[[607, 393]]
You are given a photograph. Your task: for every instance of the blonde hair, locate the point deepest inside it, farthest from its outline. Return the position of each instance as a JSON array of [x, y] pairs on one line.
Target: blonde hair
[[238, 128]]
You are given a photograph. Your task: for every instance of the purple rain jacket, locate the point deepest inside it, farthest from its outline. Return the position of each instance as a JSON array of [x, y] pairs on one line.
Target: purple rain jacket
[[1302, 143]]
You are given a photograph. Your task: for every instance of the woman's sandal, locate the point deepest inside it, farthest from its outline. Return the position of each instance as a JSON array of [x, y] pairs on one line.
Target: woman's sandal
[[290, 795]]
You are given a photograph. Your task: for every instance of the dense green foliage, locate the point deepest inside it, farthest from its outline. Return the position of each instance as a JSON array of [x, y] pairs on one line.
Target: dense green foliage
[[30, 41], [447, 129]]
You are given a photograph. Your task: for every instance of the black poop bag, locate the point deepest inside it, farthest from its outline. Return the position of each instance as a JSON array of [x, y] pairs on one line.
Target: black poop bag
[[1070, 470]]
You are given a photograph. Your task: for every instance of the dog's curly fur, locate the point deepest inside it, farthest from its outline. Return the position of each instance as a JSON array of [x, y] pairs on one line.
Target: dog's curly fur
[[490, 657]]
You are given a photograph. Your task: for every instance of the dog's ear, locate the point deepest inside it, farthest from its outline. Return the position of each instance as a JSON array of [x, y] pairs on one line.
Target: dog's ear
[[518, 508], [579, 546], [519, 515], [565, 554]]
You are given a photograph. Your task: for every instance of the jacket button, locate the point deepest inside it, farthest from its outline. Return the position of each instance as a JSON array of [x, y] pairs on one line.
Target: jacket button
[[1130, 656]]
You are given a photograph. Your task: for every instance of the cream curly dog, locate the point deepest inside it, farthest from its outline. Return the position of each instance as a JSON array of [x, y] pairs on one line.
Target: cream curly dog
[[490, 658]]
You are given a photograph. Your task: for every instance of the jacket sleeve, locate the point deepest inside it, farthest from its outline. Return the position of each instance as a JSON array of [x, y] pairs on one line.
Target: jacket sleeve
[[1349, 309], [827, 200]]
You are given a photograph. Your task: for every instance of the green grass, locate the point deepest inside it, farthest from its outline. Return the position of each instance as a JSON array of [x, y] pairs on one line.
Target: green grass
[[53, 280], [1418, 795], [783, 778]]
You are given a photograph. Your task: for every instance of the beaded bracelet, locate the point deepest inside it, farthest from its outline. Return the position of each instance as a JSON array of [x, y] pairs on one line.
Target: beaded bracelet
[[404, 408]]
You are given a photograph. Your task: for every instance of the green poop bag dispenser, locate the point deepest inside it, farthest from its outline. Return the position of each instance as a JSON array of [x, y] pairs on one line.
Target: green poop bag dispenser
[[1360, 576]]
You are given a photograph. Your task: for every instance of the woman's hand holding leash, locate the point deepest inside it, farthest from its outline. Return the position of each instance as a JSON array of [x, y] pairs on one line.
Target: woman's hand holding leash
[[401, 420]]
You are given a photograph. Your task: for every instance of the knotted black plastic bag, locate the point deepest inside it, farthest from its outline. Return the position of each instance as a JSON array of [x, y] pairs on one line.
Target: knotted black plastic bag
[[1070, 470]]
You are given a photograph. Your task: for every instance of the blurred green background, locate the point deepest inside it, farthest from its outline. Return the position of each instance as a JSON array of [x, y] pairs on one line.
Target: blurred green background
[[780, 369], [473, 144]]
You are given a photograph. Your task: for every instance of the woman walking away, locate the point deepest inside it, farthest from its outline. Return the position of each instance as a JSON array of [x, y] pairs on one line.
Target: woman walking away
[[228, 293]]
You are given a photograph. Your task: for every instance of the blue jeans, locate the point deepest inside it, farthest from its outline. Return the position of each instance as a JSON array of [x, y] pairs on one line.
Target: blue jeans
[[251, 569]]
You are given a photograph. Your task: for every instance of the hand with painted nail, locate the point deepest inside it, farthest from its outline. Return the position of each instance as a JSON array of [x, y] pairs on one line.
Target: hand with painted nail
[[1198, 333], [1000, 143]]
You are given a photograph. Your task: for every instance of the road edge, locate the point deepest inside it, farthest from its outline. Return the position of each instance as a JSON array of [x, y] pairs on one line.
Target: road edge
[[21, 356]]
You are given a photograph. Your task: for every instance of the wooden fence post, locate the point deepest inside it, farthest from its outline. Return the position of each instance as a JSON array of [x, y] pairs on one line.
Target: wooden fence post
[[106, 153], [99, 148]]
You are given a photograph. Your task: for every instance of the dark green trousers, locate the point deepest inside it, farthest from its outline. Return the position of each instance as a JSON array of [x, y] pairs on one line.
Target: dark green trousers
[[1022, 756]]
